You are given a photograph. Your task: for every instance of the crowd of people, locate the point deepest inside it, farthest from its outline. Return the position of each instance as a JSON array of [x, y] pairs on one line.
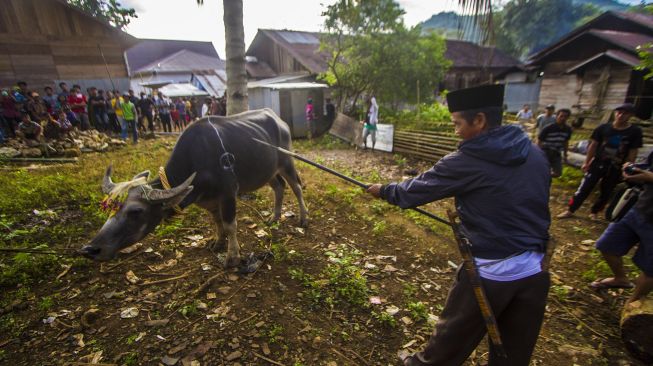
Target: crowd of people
[[33, 117]]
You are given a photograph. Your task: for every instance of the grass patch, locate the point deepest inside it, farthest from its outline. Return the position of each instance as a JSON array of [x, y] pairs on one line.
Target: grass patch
[[341, 282], [60, 204], [570, 177], [418, 311]]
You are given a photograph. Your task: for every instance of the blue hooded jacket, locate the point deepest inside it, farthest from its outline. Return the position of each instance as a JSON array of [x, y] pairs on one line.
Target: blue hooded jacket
[[500, 181]]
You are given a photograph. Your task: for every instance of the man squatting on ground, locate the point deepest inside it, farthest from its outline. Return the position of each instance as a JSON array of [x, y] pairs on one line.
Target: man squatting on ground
[[635, 227], [508, 229]]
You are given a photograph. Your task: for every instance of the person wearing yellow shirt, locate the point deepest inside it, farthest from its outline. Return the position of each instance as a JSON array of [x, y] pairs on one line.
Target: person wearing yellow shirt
[[117, 104]]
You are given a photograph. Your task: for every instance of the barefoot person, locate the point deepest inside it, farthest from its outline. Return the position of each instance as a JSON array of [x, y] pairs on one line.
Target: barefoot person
[[507, 227], [635, 227]]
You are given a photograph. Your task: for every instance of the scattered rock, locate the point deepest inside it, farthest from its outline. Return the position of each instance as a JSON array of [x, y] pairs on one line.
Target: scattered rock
[[169, 361], [8, 152], [225, 289], [572, 351], [234, 356], [89, 317], [32, 152], [131, 277], [129, 313], [156, 322]]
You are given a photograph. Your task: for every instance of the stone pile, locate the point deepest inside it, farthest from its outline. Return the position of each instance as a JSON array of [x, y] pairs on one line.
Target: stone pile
[[76, 143]]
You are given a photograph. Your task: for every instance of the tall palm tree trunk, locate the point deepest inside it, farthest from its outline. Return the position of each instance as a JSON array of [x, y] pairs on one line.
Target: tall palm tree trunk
[[235, 55]]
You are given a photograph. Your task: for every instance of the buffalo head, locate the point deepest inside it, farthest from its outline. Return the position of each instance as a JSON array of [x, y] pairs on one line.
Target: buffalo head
[[141, 209]]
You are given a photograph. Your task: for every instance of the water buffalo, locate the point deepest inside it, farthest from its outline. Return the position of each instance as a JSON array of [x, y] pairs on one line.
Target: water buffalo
[[213, 160]]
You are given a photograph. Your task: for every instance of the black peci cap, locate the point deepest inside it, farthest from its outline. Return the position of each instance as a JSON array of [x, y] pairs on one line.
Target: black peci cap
[[626, 107], [474, 98]]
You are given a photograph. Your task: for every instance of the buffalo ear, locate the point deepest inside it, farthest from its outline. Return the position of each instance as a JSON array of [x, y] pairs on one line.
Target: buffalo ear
[[145, 173], [107, 183]]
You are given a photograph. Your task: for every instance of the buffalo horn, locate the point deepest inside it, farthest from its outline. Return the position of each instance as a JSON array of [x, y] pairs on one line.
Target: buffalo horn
[[158, 195], [145, 173], [107, 184]]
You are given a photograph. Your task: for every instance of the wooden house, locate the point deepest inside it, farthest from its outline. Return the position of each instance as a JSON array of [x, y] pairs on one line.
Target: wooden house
[[43, 42], [283, 52], [590, 70], [282, 66]]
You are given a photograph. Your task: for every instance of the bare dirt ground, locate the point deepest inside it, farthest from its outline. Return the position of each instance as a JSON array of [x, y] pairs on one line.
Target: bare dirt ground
[[363, 281]]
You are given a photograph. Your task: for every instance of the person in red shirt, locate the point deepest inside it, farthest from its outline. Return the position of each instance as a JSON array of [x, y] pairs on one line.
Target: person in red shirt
[[78, 102]]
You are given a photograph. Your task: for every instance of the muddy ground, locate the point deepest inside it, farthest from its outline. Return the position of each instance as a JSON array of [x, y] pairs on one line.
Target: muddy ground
[[363, 281]]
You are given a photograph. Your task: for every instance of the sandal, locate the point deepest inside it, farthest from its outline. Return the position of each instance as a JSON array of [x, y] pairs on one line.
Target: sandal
[[607, 283]]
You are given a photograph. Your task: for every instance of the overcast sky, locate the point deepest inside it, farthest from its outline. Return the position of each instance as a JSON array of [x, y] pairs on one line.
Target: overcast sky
[[184, 19]]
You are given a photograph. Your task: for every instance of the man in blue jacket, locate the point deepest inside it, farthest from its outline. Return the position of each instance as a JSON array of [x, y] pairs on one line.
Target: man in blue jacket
[[500, 181]]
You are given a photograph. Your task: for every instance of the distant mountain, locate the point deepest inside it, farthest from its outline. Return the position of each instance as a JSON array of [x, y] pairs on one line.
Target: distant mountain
[[450, 24], [606, 5]]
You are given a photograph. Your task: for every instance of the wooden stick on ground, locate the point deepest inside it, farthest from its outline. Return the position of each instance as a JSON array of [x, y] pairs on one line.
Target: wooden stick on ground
[[208, 283], [343, 356], [581, 322], [267, 359], [111, 267], [357, 356], [165, 280]]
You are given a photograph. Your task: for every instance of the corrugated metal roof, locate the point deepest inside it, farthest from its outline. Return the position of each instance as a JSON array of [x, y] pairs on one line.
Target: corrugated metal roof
[[277, 80], [468, 54], [299, 37], [626, 40], [259, 69], [461, 53], [213, 84], [150, 50], [303, 46], [181, 90], [611, 22], [620, 56], [183, 60], [300, 85]]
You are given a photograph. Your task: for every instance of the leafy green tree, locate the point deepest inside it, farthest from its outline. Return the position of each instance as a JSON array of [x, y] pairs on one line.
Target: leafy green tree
[[372, 51], [107, 10], [526, 26]]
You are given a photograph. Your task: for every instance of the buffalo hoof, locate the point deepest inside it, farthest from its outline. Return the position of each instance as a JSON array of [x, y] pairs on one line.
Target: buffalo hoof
[[303, 223], [216, 244], [231, 262]]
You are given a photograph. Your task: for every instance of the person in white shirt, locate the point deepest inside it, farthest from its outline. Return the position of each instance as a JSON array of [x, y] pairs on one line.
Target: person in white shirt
[[525, 115], [206, 107]]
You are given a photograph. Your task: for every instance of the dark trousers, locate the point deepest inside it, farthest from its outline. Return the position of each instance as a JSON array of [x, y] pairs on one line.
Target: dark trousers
[[114, 124], [132, 124], [518, 307], [605, 171], [165, 121], [101, 121]]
